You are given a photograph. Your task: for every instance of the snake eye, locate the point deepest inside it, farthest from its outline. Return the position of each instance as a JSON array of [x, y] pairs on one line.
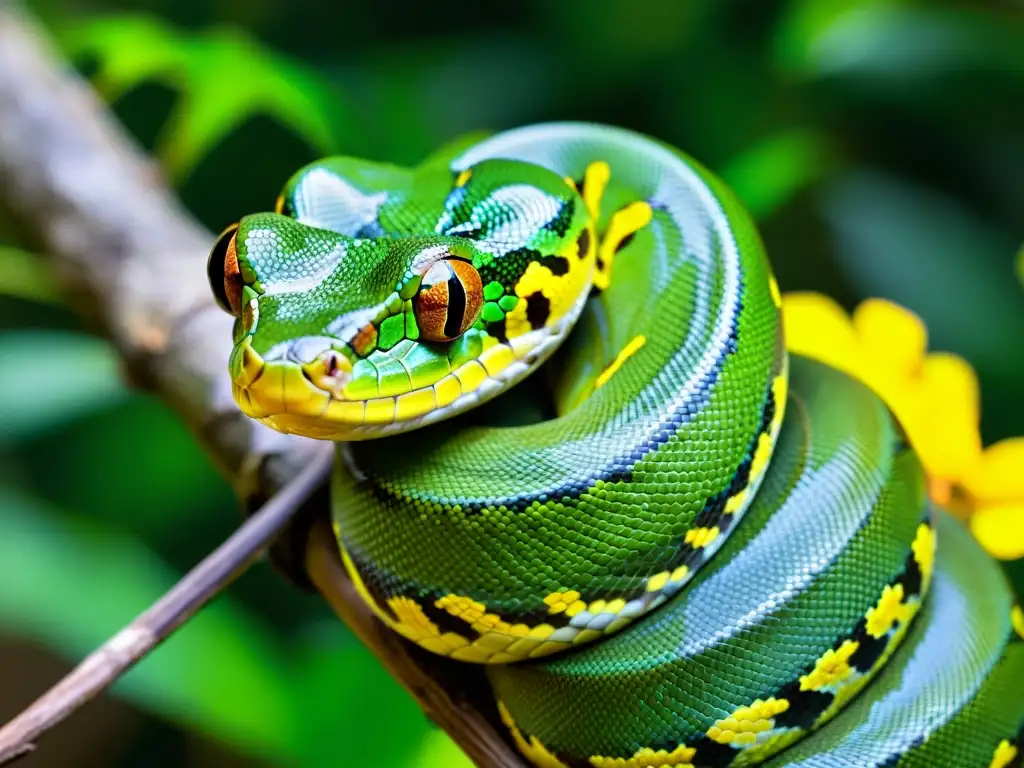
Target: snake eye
[[449, 300], [224, 274]]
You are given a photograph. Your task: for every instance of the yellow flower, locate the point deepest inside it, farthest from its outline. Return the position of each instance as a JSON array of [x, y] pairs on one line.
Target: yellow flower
[[935, 396]]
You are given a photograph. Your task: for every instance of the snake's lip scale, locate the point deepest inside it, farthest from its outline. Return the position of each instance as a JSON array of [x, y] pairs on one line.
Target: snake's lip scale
[[284, 394]]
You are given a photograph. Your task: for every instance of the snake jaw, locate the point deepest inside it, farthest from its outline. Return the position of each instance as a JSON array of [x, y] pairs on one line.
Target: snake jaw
[[309, 387]]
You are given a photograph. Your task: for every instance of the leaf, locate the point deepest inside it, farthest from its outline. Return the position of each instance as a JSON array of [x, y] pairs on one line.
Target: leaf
[[72, 583], [228, 79], [930, 254], [803, 26], [768, 174], [224, 77], [354, 713], [439, 751], [102, 466], [131, 48], [26, 276], [51, 377], [888, 42]]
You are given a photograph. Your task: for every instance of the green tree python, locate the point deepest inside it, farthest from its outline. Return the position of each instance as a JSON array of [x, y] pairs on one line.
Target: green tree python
[[672, 546]]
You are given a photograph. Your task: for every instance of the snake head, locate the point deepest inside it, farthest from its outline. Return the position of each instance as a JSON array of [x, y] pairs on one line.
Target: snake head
[[346, 338]]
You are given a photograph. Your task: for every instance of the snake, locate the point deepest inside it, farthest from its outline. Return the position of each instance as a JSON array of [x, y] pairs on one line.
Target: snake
[[571, 446]]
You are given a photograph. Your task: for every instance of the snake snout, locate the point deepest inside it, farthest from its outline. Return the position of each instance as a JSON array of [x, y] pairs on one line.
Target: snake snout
[[280, 385]]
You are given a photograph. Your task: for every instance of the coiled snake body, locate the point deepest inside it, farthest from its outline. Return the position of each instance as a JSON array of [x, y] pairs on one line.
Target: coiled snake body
[[672, 546]]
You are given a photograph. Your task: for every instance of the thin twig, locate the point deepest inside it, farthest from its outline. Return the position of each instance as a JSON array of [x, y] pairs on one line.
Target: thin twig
[[106, 664]]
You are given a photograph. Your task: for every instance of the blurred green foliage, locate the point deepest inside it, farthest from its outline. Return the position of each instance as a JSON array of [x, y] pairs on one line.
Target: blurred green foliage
[[222, 77], [879, 143]]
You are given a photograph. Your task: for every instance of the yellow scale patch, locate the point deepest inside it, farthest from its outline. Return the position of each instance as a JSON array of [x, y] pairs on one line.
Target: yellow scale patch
[[567, 601], [634, 345], [410, 621], [533, 750], [742, 727], [595, 179], [680, 757], [763, 452], [853, 685], [833, 672], [500, 641], [765, 443], [497, 647], [1017, 619], [737, 501], [780, 390], [924, 552], [624, 223], [658, 581], [1004, 755], [773, 287], [699, 538], [832, 668], [888, 612]]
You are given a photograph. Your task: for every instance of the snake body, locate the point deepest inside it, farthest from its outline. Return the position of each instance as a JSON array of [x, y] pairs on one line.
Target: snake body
[[671, 545]]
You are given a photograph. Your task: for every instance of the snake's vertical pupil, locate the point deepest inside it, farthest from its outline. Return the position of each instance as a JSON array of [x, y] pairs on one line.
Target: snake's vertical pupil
[[449, 300], [456, 306], [224, 273]]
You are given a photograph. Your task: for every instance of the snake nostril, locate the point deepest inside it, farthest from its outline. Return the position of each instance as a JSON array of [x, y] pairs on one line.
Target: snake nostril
[[330, 371]]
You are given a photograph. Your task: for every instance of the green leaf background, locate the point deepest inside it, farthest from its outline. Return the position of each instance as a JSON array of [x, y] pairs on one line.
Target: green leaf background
[[878, 143]]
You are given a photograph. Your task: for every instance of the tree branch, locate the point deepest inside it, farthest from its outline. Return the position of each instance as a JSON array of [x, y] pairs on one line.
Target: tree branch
[[117, 238]]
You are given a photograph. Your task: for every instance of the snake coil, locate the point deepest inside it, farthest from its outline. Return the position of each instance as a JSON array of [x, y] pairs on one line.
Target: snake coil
[[672, 546]]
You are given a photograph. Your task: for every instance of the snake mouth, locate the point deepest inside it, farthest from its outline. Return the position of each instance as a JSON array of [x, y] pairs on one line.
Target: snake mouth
[[329, 398]]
